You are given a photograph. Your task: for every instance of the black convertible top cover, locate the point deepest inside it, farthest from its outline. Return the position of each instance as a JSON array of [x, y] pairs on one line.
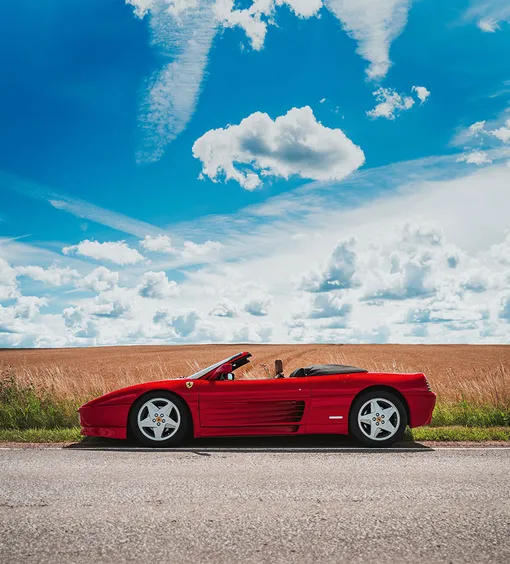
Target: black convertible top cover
[[325, 369]]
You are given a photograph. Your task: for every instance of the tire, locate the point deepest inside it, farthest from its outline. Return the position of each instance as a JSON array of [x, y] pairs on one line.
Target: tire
[[166, 416], [378, 418]]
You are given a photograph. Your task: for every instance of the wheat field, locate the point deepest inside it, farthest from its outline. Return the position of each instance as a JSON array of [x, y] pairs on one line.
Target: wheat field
[[478, 374]]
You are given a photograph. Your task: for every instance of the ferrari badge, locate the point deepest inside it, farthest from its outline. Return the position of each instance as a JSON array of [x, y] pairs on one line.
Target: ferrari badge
[[189, 385]]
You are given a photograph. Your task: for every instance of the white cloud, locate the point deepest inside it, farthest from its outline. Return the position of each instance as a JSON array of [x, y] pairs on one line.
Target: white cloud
[[501, 251], [329, 305], [52, 276], [141, 7], [259, 306], [374, 24], [502, 133], [185, 323], [27, 307], [100, 279], [293, 144], [488, 26], [421, 92], [8, 282], [185, 36], [460, 271], [488, 14], [200, 250], [253, 333], [114, 251], [390, 105], [225, 308], [157, 286], [256, 18], [476, 128], [339, 273], [157, 244], [475, 157]]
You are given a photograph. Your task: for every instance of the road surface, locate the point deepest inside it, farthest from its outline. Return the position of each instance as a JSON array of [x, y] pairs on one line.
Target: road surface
[[263, 505]]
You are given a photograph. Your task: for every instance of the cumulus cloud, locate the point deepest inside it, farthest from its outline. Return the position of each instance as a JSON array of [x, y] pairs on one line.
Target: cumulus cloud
[[256, 18], [339, 273], [52, 276], [502, 133], [27, 307], [329, 305], [421, 92], [114, 251], [157, 244], [200, 250], [374, 24], [225, 308], [475, 157], [253, 333], [258, 306], [157, 286], [183, 32], [390, 105], [504, 309], [293, 144], [100, 279], [183, 324], [8, 282], [113, 304]]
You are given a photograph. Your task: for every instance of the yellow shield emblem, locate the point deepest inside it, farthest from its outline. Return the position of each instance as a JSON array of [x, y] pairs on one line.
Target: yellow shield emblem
[[189, 385]]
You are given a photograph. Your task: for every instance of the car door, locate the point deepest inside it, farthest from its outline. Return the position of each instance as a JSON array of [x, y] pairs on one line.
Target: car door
[[271, 403], [330, 403]]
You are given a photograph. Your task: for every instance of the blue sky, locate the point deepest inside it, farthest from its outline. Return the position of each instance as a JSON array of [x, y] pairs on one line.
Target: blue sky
[[268, 171]]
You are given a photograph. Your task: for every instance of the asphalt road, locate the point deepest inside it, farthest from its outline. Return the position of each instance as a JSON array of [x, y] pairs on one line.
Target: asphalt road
[[270, 505]]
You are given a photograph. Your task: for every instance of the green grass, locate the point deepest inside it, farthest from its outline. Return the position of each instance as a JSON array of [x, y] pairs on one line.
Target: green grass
[[457, 434], [70, 435], [27, 407], [468, 415], [451, 434], [31, 414]]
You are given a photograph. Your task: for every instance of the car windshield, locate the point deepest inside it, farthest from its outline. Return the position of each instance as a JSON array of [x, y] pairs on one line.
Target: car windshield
[[204, 371]]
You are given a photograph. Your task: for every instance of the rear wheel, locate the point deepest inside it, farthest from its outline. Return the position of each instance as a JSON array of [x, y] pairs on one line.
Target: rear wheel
[[159, 419], [378, 418]]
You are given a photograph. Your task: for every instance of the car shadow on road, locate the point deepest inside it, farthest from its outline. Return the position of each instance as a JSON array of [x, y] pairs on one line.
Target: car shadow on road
[[305, 444]]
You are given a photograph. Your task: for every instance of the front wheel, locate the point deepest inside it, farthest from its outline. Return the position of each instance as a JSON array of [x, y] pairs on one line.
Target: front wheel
[[378, 418], [159, 419]]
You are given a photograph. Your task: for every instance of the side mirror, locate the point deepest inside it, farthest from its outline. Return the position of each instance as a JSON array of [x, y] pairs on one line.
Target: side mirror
[[230, 376]]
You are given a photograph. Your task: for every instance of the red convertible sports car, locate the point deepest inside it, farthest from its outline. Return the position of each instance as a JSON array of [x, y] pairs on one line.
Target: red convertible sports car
[[372, 407]]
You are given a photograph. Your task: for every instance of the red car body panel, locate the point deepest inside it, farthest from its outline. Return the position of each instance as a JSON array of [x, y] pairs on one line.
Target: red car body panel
[[284, 406]]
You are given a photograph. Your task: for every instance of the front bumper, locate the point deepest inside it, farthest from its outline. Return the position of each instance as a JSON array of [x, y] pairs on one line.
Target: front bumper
[[104, 421]]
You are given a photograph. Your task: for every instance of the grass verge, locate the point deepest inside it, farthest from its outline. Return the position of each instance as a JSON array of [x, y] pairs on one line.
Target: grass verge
[[70, 435], [442, 434], [458, 434]]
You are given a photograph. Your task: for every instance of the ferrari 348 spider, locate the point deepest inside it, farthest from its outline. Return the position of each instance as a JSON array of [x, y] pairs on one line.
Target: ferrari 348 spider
[[373, 407]]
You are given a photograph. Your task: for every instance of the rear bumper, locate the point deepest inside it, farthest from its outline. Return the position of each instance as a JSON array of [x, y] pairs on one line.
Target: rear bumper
[[421, 407]]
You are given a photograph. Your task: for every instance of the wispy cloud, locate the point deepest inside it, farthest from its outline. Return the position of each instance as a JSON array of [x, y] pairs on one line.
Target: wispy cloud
[[77, 207], [183, 39], [374, 24]]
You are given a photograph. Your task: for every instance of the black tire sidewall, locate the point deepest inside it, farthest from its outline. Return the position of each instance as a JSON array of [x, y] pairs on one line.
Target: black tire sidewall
[[355, 431], [174, 439]]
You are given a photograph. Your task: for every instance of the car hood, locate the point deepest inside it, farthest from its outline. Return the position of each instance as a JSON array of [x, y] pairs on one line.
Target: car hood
[[129, 394]]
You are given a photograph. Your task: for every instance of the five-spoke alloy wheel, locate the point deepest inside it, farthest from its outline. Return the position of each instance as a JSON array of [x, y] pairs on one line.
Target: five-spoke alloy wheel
[[159, 419], [377, 418]]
